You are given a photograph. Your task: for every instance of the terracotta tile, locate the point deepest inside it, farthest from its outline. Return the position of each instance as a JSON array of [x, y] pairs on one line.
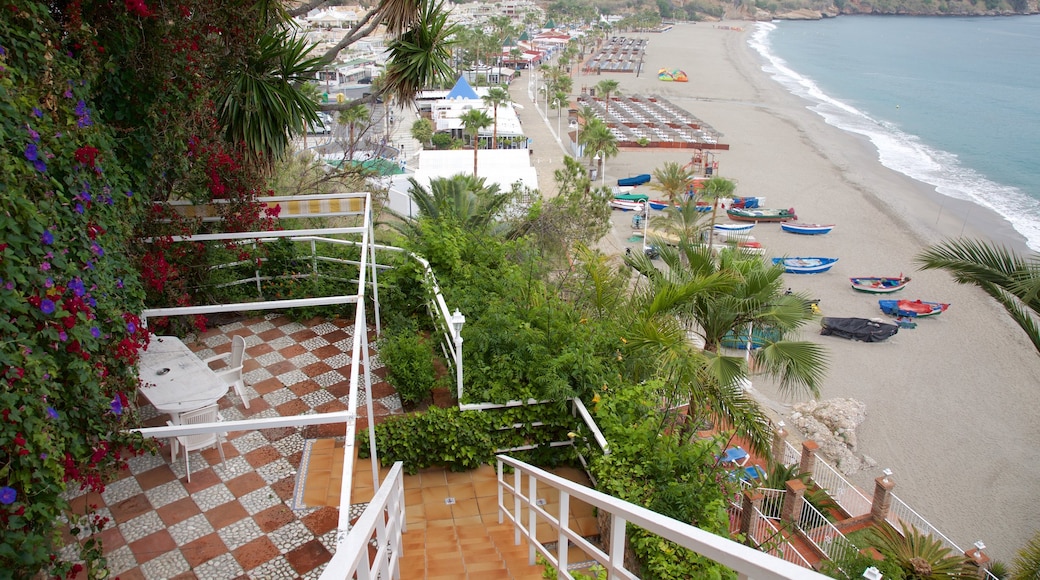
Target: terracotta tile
[[331, 407], [203, 549], [321, 521], [340, 389], [487, 505], [132, 574], [152, 546], [155, 477], [212, 454], [267, 385], [255, 553], [226, 514], [382, 389], [278, 433], [284, 488], [269, 335], [284, 366], [295, 459], [244, 484], [111, 539], [381, 372], [303, 387], [437, 511], [293, 350], [80, 505], [324, 431], [435, 494], [130, 508], [329, 350], [308, 557], [465, 508], [262, 456], [200, 480], [273, 518], [292, 408], [257, 405], [303, 335], [178, 511], [316, 369], [433, 476]]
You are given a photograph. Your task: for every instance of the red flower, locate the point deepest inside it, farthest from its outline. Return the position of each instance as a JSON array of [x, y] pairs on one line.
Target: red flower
[[87, 154], [19, 440], [138, 7]]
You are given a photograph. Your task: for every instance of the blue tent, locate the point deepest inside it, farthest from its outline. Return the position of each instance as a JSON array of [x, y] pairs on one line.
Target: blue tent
[[462, 90]]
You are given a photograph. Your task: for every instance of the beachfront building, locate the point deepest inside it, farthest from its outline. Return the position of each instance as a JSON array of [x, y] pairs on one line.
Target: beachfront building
[[445, 113]]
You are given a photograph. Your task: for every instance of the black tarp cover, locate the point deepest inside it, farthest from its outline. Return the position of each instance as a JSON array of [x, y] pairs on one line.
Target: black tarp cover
[[862, 329]]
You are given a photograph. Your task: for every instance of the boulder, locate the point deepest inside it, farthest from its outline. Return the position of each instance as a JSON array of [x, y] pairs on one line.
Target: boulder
[[832, 424]]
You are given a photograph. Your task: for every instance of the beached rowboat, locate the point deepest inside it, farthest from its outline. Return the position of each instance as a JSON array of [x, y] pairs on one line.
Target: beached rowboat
[[805, 265], [631, 196], [733, 228], [761, 215], [806, 229], [660, 205], [879, 284], [626, 205], [862, 329], [913, 308], [634, 180]]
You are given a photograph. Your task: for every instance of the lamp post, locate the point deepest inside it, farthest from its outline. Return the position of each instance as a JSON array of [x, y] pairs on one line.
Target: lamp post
[[457, 320], [602, 168], [597, 157]]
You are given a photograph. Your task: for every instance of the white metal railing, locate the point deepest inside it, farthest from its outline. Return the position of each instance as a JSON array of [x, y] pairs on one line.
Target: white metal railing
[[898, 511], [772, 501], [791, 455], [383, 521], [769, 538], [748, 562], [822, 533], [848, 496]]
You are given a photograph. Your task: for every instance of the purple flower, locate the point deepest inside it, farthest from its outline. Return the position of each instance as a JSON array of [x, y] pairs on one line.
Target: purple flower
[[95, 332], [97, 249], [52, 413], [47, 306], [37, 112], [79, 207], [8, 495], [48, 283], [117, 406], [62, 336], [76, 285], [48, 237], [131, 327], [40, 165], [129, 193], [119, 283], [45, 266], [34, 135], [31, 153], [81, 108]]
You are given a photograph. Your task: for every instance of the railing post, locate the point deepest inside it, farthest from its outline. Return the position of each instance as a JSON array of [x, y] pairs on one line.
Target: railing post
[[979, 559], [517, 522], [562, 541], [532, 516], [617, 544], [808, 461], [751, 501], [501, 481], [792, 508], [779, 444], [882, 499]]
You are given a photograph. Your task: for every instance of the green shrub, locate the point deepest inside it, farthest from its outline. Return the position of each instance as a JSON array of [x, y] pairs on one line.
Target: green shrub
[[409, 362], [458, 440]]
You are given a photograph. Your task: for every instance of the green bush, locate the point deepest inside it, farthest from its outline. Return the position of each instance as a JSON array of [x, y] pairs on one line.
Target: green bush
[[409, 363], [458, 440]]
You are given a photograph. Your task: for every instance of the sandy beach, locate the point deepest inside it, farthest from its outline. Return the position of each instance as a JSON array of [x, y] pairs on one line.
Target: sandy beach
[[951, 405]]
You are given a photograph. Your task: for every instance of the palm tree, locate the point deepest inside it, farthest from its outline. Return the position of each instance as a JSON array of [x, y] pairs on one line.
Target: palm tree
[[421, 55], [351, 118], [1013, 281], [495, 97], [422, 130], [679, 318], [463, 199], [920, 556], [597, 139], [606, 88], [473, 121], [672, 180], [715, 189]]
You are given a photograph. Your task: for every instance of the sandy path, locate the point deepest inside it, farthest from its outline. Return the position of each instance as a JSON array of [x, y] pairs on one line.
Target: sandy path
[[951, 405]]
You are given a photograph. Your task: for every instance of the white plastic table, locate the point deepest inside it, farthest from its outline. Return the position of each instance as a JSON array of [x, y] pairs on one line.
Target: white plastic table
[[175, 380]]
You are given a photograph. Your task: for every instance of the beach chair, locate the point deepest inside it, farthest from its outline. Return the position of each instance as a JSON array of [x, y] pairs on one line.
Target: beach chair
[[735, 456]]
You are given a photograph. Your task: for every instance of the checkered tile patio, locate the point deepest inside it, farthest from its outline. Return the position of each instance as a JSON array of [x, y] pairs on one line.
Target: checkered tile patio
[[236, 520]]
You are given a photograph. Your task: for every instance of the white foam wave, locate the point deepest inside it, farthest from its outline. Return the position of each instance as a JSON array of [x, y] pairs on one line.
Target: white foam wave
[[904, 152]]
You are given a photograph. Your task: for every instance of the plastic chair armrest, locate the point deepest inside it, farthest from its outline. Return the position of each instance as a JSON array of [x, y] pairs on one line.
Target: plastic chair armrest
[[216, 357]]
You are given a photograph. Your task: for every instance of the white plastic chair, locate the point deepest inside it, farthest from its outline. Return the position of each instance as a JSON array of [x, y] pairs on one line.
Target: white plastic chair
[[207, 414], [233, 374]]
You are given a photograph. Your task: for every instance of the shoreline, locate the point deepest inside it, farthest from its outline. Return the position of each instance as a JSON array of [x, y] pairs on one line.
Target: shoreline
[[933, 394]]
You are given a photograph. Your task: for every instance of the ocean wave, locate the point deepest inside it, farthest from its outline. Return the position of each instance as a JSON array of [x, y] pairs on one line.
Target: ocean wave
[[904, 152]]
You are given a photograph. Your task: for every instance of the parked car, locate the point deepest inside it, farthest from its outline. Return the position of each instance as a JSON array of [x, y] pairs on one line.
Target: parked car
[[323, 126]]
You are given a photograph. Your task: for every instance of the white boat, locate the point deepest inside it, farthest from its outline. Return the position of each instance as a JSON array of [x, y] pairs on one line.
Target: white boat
[[733, 228], [626, 205], [806, 229]]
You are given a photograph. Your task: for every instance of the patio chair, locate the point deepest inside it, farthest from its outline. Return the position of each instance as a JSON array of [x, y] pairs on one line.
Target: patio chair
[[207, 414], [735, 456], [233, 374]]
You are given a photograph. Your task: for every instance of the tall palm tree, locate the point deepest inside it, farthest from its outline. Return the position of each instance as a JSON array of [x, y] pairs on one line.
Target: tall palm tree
[[1012, 280], [606, 88], [496, 97], [473, 121], [352, 117], [672, 180], [715, 189], [596, 139]]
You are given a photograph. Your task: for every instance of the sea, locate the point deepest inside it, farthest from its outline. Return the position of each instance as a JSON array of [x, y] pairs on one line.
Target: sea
[[953, 102]]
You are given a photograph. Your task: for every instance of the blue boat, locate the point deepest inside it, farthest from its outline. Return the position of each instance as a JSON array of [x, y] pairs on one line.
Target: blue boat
[[635, 180], [805, 265], [806, 229]]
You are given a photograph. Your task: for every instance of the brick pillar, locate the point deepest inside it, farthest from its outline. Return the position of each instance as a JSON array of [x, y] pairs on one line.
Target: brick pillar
[[750, 501], [779, 449], [808, 462], [979, 559], [792, 508], [882, 498]]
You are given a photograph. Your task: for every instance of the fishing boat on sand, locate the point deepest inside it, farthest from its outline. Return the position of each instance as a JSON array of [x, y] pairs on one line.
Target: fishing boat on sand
[[733, 228], [912, 308], [634, 180], [862, 329], [632, 197], [626, 205], [761, 215], [806, 229], [805, 265], [659, 204], [879, 284]]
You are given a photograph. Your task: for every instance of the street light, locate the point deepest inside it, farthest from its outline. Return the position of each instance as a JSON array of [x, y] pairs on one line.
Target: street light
[[457, 320], [597, 157], [603, 167]]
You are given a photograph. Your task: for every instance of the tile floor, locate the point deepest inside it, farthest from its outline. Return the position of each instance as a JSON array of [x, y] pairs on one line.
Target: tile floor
[[236, 520]]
